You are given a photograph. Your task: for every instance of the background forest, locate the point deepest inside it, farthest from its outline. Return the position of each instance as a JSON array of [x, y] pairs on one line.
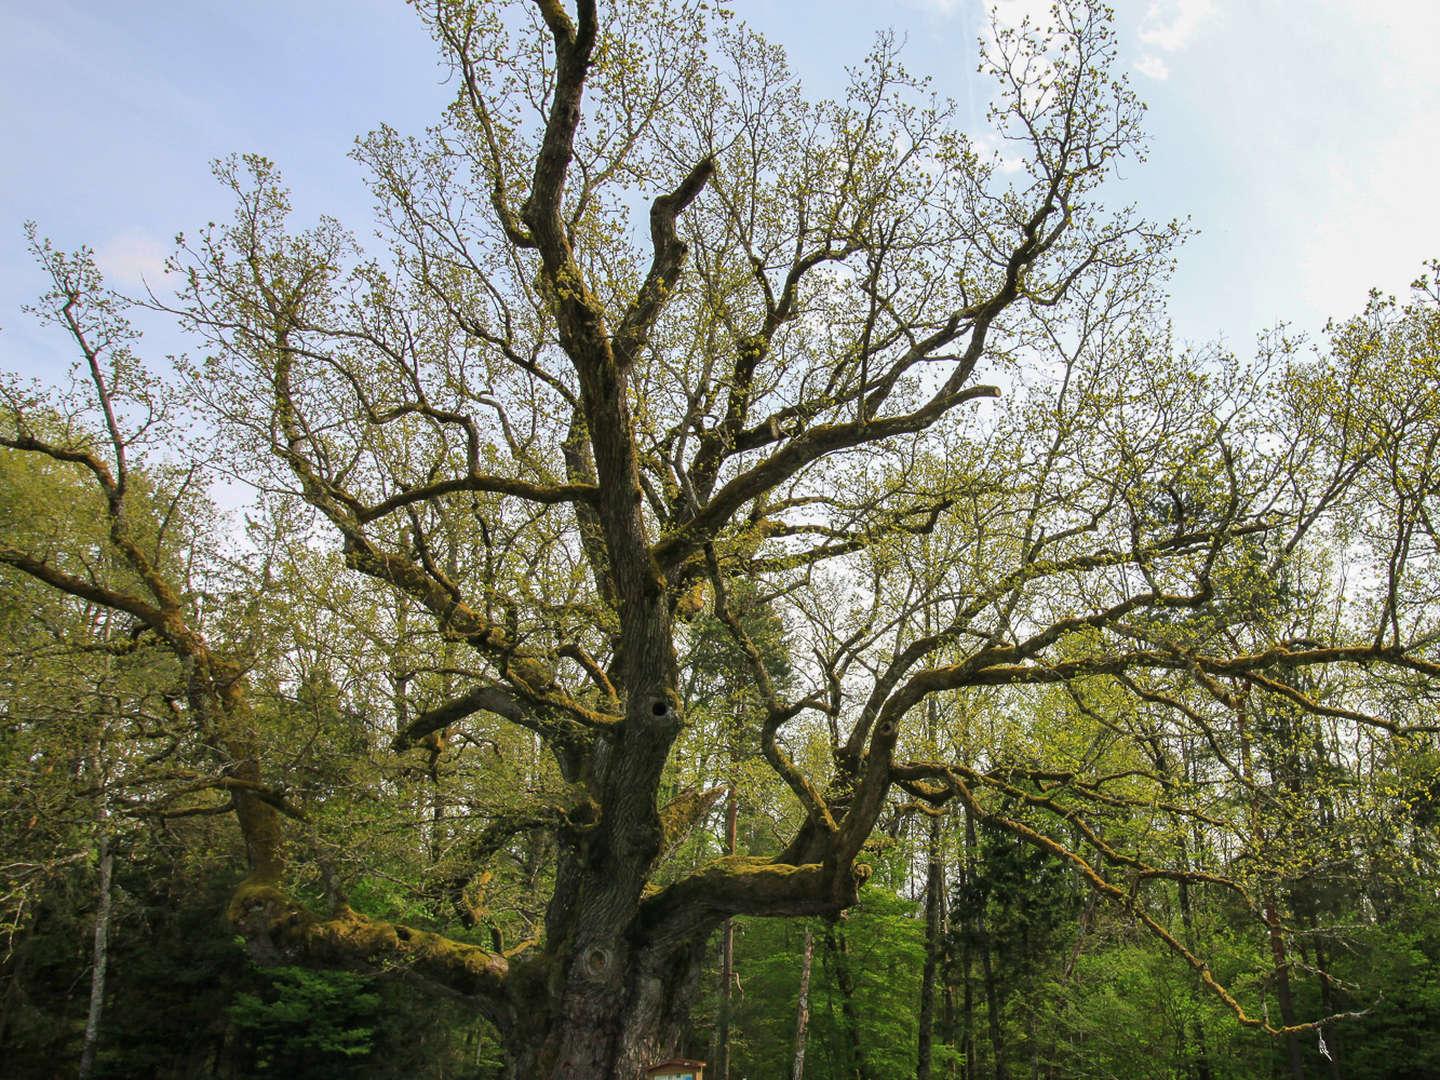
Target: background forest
[[738, 576], [114, 822], [1032, 973]]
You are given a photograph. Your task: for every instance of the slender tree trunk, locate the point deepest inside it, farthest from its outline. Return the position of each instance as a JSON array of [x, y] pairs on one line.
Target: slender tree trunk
[[1200, 1065], [839, 952], [721, 1055], [967, 1046], [947, 1022], [934, 913], [1306, 905], [1329, 1047], [101, 955], [934, 899], [967, 869], [802, 1008], [992, 1000], [9, 993], [987, 974], [1193, 1030], [1282, 988], [1327, 1003], [1272, 911]]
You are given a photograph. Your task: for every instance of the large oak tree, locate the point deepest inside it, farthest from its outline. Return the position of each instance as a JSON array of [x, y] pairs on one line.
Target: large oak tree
[[653, 332]]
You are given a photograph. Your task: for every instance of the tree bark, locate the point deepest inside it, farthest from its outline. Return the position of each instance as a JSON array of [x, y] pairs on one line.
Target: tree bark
[[992, 1003], [948, 1021], [1282, 988], [967, 1045], [934, 914], [100, 955], [1271, 908], [721, 1057], [987, 974], [1193, 1030], [1327, 1002], [839, 951], [802, 1008]]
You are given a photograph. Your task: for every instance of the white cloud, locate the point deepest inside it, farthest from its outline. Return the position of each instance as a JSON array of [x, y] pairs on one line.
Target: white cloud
[[990, 145], [1308, 159], [1170, 24], [1372, 218], [132, 258], [945, 9], [1014, 12], [1153, 67]]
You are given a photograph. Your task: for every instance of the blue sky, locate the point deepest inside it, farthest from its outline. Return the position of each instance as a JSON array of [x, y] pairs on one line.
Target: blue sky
[[1301, 138]]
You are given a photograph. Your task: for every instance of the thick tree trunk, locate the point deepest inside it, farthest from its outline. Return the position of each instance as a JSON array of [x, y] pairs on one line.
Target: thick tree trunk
[[613, 1029], [802, 1008]]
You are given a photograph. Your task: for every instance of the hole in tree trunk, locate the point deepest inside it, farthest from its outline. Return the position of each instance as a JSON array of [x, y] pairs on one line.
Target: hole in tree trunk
[[660, 708], [597, 960]]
